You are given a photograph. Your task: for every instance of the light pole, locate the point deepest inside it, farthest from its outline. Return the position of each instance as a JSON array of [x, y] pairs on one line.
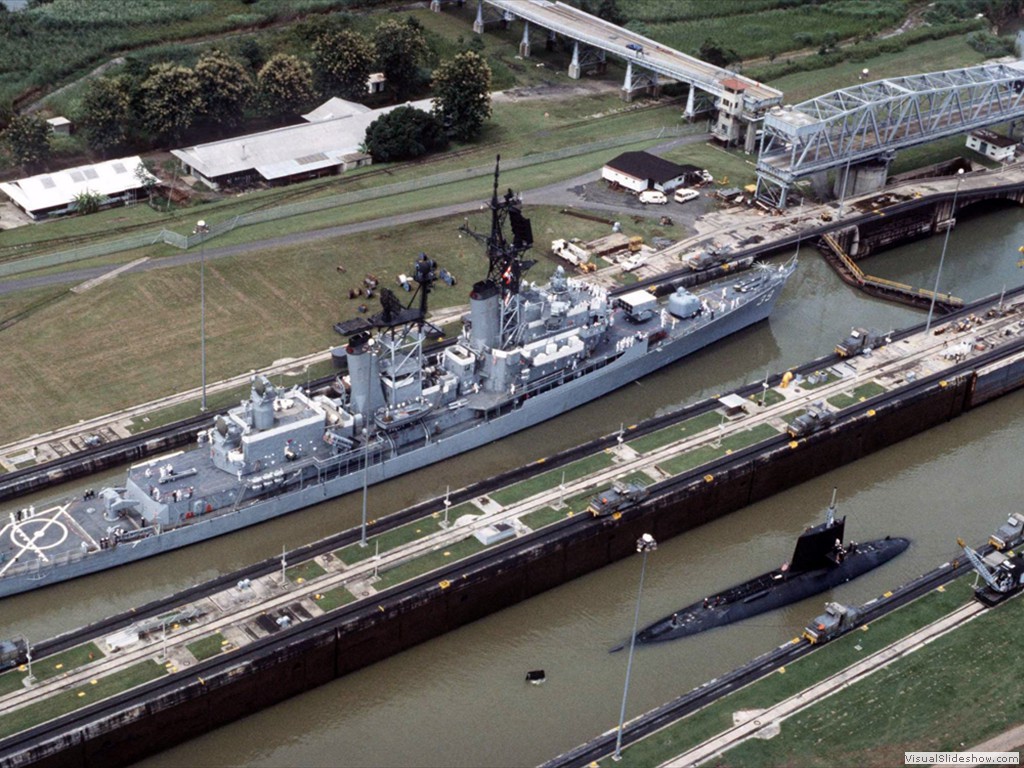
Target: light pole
[[366, 471], [201, 230], [842, 194], [945, 242], [644, 544]]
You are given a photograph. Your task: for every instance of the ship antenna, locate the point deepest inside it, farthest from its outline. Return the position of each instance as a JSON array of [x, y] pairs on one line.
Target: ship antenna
[[830, 513]]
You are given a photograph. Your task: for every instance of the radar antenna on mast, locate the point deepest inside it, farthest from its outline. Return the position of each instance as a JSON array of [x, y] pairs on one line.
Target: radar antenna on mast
[[507, 265]]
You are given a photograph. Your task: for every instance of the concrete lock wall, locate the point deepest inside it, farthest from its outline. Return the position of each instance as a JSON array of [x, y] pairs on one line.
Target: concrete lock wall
[[124, 734]]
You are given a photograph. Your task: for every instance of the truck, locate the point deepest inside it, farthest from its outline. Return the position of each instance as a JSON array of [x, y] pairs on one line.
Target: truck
[[860, 340], [619, 497], [836, 619], [816, 417], [571, 252], [1009, 534], [13, 653]]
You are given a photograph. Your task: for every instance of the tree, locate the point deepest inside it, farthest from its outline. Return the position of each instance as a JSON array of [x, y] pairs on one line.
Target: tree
[[285, 85], [462, 97], [403, 134], [27, 138], [342, 61], [105, 113], [717, 54], [146, 178], [226, 87], [88, 201], [607, 10], [401, 47], [170, 99]]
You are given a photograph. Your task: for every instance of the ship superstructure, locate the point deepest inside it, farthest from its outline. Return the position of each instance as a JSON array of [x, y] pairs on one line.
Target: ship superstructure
[[526, 353]]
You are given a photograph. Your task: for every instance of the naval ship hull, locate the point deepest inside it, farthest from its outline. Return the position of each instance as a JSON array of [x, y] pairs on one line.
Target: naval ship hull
[[770, 591], [636, 362]]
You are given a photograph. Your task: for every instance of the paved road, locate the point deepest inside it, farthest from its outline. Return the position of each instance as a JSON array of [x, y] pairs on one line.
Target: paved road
[[569, 192]]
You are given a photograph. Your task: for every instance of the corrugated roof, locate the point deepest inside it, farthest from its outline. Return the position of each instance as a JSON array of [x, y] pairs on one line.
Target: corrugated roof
[[52, 190], [274, 149]]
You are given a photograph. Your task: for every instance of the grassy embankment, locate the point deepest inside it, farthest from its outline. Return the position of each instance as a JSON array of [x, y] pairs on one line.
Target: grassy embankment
[[950, 694], [272, 304]]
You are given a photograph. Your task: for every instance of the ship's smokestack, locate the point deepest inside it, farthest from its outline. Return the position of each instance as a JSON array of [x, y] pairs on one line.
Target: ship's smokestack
[[485, 316], [364, 375]]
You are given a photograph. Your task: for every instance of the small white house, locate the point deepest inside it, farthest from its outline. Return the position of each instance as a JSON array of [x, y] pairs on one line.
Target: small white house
[[639, 171], [375, 83], [116, 182], [992, 145]]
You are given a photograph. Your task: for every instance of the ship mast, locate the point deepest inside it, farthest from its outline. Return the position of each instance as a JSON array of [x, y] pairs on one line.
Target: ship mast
[[506, 265]]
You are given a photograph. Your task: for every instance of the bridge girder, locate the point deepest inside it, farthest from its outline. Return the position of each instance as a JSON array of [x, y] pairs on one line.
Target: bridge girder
[[873, 120]]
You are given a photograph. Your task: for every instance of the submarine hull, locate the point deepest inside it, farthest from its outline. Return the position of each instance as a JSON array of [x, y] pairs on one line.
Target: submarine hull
[[770, 591]]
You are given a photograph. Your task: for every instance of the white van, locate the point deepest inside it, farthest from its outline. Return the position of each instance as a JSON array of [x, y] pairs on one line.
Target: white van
[[653, 197], [685, 195]]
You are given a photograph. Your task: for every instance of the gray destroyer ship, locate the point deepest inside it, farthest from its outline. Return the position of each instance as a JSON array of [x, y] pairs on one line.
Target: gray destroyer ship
[[525, 355]]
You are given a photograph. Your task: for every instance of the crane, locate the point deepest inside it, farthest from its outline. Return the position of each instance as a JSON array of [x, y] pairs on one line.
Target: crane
[[1003, 579]]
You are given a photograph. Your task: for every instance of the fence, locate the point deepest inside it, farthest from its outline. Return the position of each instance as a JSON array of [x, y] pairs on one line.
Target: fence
[[299, 208]]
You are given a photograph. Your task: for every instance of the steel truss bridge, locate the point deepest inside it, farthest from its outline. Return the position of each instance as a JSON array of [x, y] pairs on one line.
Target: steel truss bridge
[[870, 122], [646, 59]]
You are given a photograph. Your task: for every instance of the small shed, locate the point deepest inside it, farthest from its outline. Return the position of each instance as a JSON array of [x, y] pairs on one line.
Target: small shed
[[641, 170], [375, 83], [60, 125], [993, 145], [734, 405]]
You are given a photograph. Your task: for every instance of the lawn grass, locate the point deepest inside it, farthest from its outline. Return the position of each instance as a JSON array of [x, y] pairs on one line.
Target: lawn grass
[[207, 647], [334, 598], [689, 428], [731, 168], [860, 394], [691, 459], [306, 571], [770, 397], [552, 479], [543, 516], [429, 562], [78, 697], [756, 434], [51, 666], [788, 681], [928, 56], [399, 537], [951, 694]]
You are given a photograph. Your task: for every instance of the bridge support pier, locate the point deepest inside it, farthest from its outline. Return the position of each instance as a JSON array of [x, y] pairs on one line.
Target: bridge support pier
[[435, 6], [688, 113], [478, 24], [750, 139], [551, 41], [627, 85], [524, 44], [574, 65]]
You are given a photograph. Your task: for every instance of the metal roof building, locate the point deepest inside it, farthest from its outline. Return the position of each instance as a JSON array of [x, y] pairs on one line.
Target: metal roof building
[[51, 194], [328, 143], [641, 170]]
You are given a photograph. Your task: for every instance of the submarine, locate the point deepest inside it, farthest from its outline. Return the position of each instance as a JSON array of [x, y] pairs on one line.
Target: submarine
[[820, 561]]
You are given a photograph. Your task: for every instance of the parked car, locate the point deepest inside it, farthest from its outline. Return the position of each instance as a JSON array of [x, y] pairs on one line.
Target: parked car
[[653, 197], [685, 195]]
